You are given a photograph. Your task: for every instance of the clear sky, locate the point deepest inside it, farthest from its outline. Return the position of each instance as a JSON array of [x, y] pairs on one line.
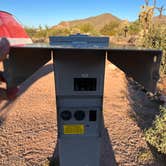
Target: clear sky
[[51, 12]]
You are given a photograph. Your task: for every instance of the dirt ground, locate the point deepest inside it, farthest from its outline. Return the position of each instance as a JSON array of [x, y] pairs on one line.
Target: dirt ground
[[28, 125]]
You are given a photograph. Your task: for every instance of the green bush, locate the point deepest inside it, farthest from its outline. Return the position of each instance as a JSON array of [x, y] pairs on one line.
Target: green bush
[[110, 29], [134, 28], [59, 32], [31, 31], [156, 135], [86, 28]]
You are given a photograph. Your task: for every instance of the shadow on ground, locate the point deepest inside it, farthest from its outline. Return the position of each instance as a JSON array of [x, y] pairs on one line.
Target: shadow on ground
[[143, 111], [6, 106], [107, 153]]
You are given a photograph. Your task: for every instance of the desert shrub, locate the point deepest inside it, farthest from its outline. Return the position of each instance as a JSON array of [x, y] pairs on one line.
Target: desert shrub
[[156, 38], [40, 32], [134, 28], [152, 35], [58, 32], [110, 29], [85, 28], [156, 135], [30, 31], [44, 32]]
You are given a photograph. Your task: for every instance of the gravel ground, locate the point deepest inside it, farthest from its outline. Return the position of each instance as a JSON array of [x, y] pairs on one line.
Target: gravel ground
[[28, 125]]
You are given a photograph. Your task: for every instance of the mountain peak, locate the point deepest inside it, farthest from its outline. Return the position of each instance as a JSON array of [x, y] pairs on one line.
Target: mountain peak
[[97, 21]]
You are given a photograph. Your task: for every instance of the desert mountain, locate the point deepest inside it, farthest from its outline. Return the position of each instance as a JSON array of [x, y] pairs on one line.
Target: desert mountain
[[101, 20], [97, 21]]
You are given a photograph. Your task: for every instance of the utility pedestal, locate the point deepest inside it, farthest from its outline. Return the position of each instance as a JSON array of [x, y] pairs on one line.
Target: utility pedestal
[[79, 67], [79, 80]]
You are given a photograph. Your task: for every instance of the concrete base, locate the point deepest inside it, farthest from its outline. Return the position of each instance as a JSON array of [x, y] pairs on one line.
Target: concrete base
[[79, 151]]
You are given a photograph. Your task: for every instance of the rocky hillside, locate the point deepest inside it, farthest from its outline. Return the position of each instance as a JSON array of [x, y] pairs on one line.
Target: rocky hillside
[[97, 21]]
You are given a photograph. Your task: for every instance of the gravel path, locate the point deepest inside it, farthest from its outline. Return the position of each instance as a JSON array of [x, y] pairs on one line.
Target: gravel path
[[28, 126]]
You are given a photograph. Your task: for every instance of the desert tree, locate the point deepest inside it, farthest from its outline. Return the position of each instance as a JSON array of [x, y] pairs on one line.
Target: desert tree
[[161, 9], [148, 1]]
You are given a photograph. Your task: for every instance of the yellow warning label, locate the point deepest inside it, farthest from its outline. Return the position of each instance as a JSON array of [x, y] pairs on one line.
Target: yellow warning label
[[73, 129]]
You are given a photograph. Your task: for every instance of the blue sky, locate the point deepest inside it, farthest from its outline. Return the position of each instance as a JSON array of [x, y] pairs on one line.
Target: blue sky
[[51, 12]]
